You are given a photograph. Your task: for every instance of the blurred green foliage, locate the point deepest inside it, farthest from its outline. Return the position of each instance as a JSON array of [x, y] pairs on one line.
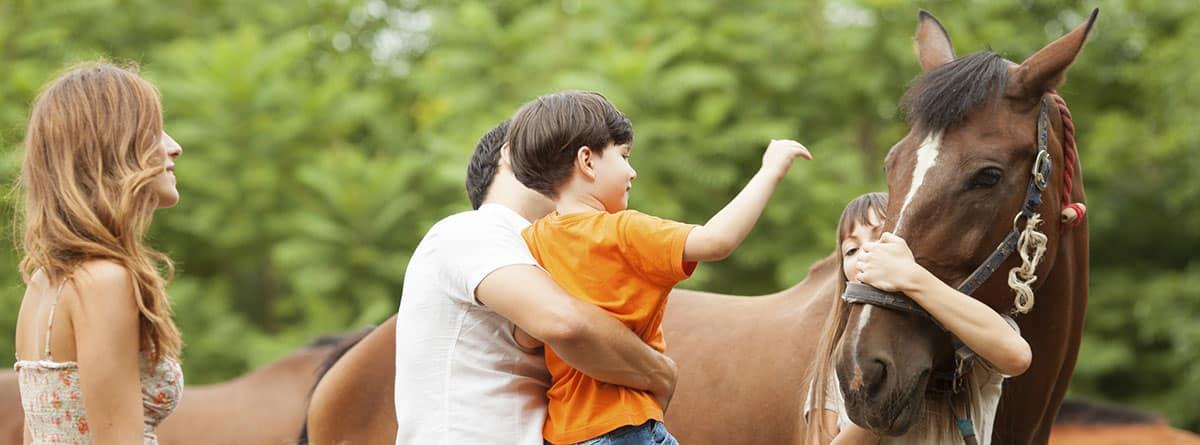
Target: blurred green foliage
[[323, 137]]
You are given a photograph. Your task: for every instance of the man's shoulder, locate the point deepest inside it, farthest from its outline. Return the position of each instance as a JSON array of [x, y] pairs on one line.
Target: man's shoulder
[[471, 222]]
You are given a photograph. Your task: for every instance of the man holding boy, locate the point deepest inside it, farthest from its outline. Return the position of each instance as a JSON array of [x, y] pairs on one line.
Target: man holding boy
[[464, 374]]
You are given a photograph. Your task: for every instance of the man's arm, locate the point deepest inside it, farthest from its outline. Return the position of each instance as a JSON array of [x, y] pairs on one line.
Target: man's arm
[[585, 336]]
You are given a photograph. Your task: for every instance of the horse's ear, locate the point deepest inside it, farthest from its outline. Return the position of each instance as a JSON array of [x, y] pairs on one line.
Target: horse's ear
[[933, 43], [1045, 70]]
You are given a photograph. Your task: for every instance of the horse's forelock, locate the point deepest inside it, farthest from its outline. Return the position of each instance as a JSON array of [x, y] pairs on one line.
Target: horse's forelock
[[941, 99]]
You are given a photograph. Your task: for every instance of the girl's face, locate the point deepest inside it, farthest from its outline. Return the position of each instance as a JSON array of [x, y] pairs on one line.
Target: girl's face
[[859, 235], [164, 184]]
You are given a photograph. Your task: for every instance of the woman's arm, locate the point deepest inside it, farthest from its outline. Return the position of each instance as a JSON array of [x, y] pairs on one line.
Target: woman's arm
[[889, 266], [106, 326]]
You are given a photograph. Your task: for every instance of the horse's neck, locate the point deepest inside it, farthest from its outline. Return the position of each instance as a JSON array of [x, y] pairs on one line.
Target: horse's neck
[[1053, 329]]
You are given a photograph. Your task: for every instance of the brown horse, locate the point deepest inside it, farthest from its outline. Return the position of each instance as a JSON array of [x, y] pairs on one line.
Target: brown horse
[[955, 183], [263, 407]]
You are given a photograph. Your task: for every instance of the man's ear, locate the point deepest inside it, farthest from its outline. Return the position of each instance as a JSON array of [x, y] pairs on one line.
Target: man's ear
[[505, 156], [583, 162]]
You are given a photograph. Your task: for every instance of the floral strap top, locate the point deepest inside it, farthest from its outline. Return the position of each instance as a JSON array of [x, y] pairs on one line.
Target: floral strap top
[[53, 400]]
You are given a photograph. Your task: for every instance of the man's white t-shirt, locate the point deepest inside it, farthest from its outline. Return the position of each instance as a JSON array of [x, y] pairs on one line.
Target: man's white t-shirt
[[460, 376]]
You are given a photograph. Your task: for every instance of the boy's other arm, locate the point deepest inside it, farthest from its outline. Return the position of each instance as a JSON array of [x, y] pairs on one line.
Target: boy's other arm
[[729, 227], [585, 336]]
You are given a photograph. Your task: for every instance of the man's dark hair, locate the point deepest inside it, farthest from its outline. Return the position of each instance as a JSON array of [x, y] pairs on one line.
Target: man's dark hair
[[547, 132], [482, 168]]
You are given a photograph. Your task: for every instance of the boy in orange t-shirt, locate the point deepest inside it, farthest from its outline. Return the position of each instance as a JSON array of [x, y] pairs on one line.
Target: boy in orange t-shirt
[[574, 148]]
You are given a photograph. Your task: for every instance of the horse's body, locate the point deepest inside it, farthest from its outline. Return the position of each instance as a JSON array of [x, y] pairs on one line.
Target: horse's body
[[743, 361], [354, 401], [263, 407]]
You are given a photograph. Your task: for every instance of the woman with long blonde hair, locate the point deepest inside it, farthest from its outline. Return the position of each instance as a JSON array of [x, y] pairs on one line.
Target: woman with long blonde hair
[[97, 350]]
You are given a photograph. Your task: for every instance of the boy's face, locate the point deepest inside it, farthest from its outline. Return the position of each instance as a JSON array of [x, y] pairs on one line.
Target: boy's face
[[614, 177]]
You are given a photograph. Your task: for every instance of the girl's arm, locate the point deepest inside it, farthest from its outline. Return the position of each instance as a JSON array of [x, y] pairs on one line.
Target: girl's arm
[[855, 435], [729, 227], [889, 266]]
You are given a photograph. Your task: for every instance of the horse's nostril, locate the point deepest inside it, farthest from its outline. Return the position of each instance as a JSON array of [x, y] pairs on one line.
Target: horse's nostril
[[875, 375]]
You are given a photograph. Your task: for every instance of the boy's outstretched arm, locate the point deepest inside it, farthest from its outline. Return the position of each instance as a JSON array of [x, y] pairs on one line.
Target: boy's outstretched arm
[[729, 227], [585, 336]]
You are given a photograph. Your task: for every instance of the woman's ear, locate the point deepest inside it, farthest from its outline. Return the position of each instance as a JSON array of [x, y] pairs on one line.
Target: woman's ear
[[583, 162]]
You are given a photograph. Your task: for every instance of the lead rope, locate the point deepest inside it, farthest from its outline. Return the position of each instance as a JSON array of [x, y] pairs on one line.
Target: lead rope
[[966, 427], [1031, 246]]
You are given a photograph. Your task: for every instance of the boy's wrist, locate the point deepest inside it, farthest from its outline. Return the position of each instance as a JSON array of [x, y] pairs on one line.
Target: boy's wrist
[[772, 175]]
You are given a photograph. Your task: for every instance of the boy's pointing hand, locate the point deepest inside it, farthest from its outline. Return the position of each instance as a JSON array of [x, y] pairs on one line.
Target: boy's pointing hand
[[780, 154]]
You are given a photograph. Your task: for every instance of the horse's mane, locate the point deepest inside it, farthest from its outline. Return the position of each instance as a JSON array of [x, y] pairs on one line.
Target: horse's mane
[[1086, 412], [334, 340], [344, 343], [941, 99]]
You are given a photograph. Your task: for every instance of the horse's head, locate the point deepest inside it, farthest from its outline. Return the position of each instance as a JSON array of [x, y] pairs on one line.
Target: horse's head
[[955, 184]]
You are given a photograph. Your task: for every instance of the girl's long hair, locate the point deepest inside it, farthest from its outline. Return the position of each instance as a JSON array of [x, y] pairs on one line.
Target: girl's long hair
[[92, 151], [857, 212]]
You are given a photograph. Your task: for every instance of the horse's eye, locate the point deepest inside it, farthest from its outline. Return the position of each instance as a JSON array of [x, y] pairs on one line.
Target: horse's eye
[[986, 178]]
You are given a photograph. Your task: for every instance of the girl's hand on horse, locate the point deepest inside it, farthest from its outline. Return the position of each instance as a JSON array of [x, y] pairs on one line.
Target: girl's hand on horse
[[888, 265], [779, 157]]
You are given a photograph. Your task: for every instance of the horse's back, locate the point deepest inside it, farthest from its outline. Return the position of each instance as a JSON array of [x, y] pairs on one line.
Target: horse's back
[[263, 407], [743, 361], [354, 403]]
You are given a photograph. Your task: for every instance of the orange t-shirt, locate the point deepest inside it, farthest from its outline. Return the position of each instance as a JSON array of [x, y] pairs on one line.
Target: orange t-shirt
[[626, 263]]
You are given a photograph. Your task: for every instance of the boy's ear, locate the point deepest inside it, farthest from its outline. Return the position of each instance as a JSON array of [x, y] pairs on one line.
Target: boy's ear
[[583, 162]]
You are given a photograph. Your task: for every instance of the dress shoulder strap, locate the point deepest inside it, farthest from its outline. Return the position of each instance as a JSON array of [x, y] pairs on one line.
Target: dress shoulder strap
[[50, 323]]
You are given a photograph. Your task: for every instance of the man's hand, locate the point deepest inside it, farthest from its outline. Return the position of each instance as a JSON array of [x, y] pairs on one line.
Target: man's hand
[[664, 394]]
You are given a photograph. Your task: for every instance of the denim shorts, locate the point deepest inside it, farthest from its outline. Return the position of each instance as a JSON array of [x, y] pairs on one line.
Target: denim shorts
[[652, 432]]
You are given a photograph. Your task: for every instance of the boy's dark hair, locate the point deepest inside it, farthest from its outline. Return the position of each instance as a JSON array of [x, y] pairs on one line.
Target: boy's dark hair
[[484, 162], [547, 132]]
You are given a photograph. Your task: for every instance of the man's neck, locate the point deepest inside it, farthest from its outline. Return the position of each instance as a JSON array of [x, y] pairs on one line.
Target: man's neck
[[506, 191]]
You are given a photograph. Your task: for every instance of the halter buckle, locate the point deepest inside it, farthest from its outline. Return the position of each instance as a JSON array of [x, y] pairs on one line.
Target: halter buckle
[[1040, 178]]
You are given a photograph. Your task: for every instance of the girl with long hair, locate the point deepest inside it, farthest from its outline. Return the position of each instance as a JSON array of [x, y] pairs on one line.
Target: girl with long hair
[[97, 349], [885, 262]]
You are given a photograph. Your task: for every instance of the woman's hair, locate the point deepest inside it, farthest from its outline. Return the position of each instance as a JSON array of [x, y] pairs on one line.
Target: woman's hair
[[92, 151], [857, 212]]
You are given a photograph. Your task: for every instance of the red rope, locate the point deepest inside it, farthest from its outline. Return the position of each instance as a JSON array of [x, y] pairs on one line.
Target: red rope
[[1069, 156]]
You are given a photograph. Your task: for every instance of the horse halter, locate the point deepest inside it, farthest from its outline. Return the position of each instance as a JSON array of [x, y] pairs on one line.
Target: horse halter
[[1039, 179]]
